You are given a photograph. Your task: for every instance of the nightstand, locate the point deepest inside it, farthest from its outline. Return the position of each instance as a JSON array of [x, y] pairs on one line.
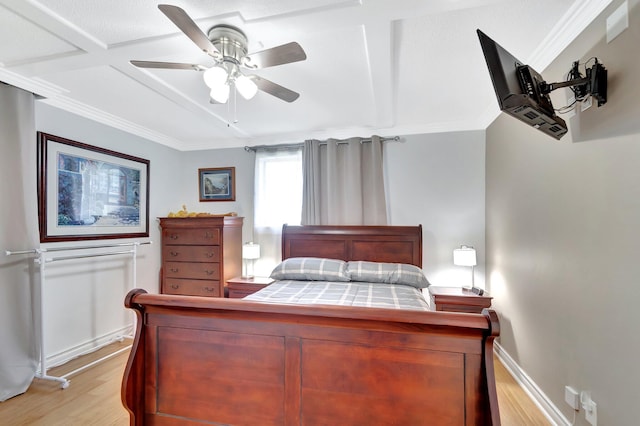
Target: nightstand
[[240, 287], [456, 299]]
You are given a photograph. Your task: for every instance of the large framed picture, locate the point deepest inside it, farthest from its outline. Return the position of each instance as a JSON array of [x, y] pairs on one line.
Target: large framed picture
[[89, 193], [217, 184]]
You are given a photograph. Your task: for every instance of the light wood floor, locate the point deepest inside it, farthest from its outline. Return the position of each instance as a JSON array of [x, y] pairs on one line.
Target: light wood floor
[[93, 397]]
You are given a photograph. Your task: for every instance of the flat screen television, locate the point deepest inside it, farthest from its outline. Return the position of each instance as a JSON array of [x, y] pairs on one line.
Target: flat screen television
[[518, 89]]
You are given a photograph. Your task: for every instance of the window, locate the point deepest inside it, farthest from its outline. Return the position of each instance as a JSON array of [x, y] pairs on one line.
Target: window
[[278, 183], [278, 200]]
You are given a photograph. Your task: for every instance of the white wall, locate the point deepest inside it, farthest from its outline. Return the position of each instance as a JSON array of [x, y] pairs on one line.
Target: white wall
[[243, 161], [84, 299], [562, 237], [437, 180]]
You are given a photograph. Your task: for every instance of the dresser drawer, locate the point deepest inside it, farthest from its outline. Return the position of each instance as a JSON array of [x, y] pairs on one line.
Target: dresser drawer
[[191, 253], [205, 236], [195, 270], [192, 287]]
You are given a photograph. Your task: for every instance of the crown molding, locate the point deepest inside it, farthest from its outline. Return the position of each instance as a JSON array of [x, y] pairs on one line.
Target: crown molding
[[568, 28], [111, 120]]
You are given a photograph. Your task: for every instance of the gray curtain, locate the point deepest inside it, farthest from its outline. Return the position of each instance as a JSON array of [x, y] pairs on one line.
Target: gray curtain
[[343, 182], [19, 224]]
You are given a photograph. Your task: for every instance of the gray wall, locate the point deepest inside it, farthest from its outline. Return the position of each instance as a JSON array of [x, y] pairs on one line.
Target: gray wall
[[562, 233]]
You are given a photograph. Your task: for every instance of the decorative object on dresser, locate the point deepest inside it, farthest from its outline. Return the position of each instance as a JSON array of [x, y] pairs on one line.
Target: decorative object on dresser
[[240, 287], [199, 254], [217, 184], [456, 299], [466, 256], [186, 213]]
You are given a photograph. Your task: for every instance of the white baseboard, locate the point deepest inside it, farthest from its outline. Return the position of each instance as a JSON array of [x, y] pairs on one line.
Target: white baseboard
[[551, 412], [89, 346]]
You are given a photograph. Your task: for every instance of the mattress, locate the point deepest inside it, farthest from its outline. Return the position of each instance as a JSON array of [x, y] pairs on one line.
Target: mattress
[[362, 294]]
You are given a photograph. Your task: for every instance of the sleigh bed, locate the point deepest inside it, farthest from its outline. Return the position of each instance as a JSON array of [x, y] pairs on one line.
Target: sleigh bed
[[198, 360]]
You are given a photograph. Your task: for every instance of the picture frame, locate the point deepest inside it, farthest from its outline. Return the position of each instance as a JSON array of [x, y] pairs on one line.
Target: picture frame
[[88, 193], [217, 184]]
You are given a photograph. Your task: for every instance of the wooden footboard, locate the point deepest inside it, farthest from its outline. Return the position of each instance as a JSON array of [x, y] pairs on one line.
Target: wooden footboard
[[224, 361]]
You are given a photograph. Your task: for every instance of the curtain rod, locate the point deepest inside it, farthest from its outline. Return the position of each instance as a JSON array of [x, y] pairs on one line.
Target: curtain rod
[[299, 145]]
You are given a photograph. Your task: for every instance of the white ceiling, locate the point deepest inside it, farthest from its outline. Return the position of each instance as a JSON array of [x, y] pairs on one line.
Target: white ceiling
[[373, 66]]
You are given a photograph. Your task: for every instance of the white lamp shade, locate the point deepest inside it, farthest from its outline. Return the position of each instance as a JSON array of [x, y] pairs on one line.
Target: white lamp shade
[[251, 251], [246, 87], [215, 77], [220, 94], [464, 256]]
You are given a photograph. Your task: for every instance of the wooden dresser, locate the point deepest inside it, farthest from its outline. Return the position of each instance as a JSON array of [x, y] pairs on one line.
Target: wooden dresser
[[199, 254]]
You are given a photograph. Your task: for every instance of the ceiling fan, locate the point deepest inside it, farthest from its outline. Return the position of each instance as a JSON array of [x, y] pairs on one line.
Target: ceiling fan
[[227, 45]]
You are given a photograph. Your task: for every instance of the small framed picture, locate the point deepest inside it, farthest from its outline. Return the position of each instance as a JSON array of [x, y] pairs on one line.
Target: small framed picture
[[217, 184]]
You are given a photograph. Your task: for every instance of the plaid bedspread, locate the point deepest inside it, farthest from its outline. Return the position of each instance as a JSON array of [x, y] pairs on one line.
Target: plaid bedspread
[[351, 293]]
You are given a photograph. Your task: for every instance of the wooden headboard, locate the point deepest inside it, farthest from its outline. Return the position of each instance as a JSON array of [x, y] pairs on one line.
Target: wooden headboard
[[391, 244]]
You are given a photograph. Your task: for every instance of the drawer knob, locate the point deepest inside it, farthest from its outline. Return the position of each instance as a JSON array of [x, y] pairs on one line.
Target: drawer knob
[[209, 289], [173, 236], [208, 272], [174, 253], [211, 254], [175, 286], [208, 235], [174, 269]]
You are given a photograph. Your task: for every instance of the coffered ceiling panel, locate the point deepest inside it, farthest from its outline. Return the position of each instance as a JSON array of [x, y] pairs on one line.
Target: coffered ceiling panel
[[23, 40]]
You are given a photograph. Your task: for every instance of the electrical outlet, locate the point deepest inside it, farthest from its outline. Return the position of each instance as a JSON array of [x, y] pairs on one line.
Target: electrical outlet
[[591, 413], [590, 408], [572, 397], [586, 104]]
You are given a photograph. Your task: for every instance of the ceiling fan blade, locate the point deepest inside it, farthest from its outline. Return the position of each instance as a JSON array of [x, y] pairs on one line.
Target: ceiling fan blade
[[274, 89], [284, 54], [183, 21], [167, 65]]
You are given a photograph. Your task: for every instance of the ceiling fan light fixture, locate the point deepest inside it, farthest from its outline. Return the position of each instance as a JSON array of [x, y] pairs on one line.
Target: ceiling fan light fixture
[[220, 94], [227, 45], [246, 87], [215, 77]]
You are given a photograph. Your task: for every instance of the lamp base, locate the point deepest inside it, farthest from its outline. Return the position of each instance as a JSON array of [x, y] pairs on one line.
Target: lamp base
[[477, 290]]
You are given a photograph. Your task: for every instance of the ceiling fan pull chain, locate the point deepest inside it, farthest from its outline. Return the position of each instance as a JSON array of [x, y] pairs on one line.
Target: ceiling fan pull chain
[[235, 106]]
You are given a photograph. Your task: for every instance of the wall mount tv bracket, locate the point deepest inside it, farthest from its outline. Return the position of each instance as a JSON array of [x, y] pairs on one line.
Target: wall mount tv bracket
[[594, 84]]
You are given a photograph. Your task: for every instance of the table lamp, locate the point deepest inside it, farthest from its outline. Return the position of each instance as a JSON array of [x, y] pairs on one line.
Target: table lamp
[[465, 256], [250, 252]]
